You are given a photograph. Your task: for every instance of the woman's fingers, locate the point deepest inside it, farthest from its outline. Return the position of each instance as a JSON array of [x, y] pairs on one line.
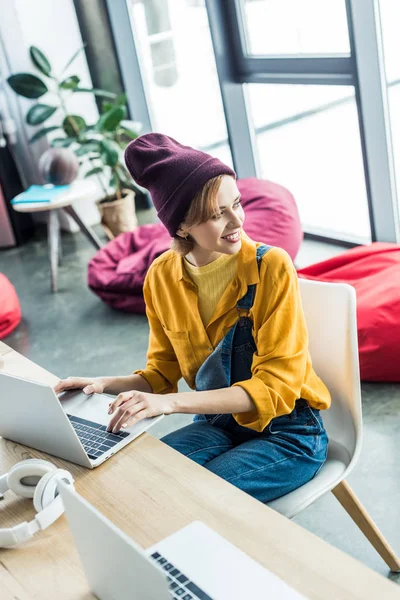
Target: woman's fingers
[[96, 387], [126, 413], [121, 398], [88, 386], [122, 414], [69, 384], [135, 419]]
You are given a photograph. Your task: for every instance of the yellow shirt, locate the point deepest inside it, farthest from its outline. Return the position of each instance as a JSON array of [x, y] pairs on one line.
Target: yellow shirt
[[211, 282], [179, 343]]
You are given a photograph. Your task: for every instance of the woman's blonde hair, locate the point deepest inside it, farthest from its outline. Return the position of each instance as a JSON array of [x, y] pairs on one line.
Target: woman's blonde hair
[[203, 206]]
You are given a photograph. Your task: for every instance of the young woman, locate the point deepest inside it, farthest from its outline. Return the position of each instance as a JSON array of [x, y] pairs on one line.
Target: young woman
[[224, 313]]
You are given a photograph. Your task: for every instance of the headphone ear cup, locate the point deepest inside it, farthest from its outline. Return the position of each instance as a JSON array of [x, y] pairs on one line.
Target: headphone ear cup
[[31, 470], [46, 490]]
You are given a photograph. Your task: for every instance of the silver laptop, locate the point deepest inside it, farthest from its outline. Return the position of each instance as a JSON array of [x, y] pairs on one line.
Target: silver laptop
[[195, 563], [71, 426]]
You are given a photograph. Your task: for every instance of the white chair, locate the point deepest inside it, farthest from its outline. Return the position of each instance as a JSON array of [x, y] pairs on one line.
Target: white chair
[[330, 311]]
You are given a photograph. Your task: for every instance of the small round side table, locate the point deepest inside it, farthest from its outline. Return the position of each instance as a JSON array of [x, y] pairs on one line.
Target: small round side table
[[79, 190]]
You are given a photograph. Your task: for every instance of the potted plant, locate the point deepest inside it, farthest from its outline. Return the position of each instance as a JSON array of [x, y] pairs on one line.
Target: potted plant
[[99, 146]]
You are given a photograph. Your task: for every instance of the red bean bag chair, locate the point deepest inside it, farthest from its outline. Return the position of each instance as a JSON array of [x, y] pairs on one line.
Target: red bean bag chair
[[374, 271], [116, 273], [10, 310], [271, 214]]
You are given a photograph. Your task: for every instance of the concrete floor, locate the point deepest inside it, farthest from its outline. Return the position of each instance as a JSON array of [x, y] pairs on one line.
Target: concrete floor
[[73, 333]]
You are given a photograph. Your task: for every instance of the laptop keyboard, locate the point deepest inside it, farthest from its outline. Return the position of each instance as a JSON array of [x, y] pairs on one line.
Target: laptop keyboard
[[94, 437], [180, 586]]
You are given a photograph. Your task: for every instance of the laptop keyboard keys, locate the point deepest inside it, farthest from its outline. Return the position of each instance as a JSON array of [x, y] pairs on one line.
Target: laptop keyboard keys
[[94, 437]]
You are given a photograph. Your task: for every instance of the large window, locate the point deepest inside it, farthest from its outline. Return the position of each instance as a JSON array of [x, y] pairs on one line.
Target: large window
[[295, 27], [178, 69], [298, 85], [390, 20], [308, 141]]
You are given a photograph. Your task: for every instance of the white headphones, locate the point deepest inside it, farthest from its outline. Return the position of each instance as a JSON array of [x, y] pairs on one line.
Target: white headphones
[[37, 479]]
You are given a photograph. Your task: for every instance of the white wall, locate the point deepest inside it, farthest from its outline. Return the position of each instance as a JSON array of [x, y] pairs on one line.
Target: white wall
[[52, 26]]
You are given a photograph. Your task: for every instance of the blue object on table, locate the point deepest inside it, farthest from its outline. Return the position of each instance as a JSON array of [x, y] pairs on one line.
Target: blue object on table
[[40, 193]]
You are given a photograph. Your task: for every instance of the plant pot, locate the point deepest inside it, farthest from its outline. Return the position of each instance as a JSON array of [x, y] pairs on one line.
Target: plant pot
[[118, 216]]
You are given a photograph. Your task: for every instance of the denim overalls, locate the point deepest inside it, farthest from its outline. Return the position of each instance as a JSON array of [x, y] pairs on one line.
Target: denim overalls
[[268, 464]]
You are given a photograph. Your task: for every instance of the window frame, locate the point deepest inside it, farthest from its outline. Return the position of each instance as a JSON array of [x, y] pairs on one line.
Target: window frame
[[363, 69]]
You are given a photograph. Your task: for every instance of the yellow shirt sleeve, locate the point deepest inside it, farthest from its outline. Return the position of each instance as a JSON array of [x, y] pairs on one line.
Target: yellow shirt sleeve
[[162, 370], [279, 364]]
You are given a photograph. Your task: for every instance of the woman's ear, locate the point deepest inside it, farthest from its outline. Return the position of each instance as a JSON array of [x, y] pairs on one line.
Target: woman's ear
[[182, 233]]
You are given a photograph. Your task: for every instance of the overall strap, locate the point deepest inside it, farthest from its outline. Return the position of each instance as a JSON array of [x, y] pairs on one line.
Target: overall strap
[[261, 250], [246, 302], [220, 361]]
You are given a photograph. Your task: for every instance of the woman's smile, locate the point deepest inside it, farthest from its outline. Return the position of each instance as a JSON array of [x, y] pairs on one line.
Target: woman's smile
[[232, 238]]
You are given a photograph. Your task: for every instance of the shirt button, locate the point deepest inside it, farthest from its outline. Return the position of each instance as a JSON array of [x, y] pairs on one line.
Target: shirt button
[[209, 348]]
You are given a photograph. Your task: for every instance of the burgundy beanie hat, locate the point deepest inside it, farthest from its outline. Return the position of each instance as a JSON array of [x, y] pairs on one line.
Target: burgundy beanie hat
[[172, 173]]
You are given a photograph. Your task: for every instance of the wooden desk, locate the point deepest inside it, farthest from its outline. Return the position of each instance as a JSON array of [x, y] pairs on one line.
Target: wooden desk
[[150, 491]]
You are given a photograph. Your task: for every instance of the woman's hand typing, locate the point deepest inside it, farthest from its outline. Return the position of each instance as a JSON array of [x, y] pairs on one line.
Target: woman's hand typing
[[109, 385], [89, 385], [133, 406]]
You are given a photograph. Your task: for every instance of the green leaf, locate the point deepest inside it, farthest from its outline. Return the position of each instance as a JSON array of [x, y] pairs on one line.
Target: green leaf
[[42, 132], [87, 138], [70, 83], [111, 119], [94, 171], [71, 60], [73, 125], [63, 142], [109, 153], [40, 60], [106, 106], [27, 85], [103, 93], [121, 99], [132, 135], [114, 182], [86, 148], [97, 92], [38, 113]]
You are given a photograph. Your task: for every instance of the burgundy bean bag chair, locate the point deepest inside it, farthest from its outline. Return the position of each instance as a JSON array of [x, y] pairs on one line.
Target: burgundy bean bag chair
[[10, 310], [374, 271], [116, 273]]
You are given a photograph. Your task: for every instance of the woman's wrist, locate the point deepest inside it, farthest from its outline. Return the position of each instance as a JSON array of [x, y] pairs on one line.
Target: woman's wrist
[[108, 383], [225, 400], [117, 385], [173, 403]]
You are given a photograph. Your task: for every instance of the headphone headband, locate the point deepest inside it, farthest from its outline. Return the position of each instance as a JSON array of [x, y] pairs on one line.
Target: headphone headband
[[3, 485], [38, 479], [12, 536]]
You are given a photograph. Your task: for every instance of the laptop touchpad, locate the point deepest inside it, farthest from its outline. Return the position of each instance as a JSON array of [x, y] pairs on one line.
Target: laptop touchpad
[[93, 408]]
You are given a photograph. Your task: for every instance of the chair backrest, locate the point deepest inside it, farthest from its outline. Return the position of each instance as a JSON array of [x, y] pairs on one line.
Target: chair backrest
[[330, 312]]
